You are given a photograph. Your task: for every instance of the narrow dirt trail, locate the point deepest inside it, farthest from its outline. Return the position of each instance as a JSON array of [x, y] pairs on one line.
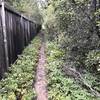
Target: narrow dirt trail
[[41, 84]]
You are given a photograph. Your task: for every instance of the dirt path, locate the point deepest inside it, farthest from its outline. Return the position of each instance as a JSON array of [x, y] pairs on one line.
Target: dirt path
[[41, 84]]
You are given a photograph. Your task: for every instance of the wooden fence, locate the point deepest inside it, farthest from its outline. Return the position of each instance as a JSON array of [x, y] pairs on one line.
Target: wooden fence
[[16, 31]]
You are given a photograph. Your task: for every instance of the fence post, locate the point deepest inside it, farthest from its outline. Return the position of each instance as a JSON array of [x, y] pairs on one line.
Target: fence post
[[4, 34]]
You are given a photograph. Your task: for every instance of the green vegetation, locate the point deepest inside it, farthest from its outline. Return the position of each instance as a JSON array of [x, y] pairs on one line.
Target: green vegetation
[[74, 26], [61, 87], [18, 82], [27, 7], [93, 61]]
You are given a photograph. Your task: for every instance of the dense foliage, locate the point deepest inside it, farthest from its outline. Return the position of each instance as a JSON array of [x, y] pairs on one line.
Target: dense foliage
[[18, 82], [28, 8], [73, 24], [61, 87], [73, 28]]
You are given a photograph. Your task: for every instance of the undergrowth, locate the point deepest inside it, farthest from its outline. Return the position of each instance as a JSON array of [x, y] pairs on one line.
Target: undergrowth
[[61, 87], [17, 83]]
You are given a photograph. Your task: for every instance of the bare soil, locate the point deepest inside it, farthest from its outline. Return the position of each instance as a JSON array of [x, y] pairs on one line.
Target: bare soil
[[41, 84]]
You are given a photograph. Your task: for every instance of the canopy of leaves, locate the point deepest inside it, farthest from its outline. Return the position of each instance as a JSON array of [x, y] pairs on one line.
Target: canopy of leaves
[[73, 23], [28, 8]]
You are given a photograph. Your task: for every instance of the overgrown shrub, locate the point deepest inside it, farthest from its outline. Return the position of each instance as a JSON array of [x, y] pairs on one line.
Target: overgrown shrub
[[61, 87], [93, 60], [73, 24]]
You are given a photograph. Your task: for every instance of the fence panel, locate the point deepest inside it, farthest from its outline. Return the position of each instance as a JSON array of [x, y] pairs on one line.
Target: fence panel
[[19, 31]]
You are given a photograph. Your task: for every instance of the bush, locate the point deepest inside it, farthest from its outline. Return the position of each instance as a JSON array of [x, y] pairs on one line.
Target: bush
[[93, 61], [61, 87]]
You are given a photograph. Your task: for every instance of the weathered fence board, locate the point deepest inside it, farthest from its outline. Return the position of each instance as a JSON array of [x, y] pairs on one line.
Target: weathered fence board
[[2, 54], [16, 31]]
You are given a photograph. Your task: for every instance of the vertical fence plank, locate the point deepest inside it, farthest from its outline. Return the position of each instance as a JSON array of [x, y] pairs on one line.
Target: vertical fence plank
[[28, 31], [2, 53], [22, 32], [5, 35]]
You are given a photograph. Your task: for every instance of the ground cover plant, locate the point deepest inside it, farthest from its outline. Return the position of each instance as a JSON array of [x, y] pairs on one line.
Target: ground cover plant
[[17, 83], [61, 87]]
